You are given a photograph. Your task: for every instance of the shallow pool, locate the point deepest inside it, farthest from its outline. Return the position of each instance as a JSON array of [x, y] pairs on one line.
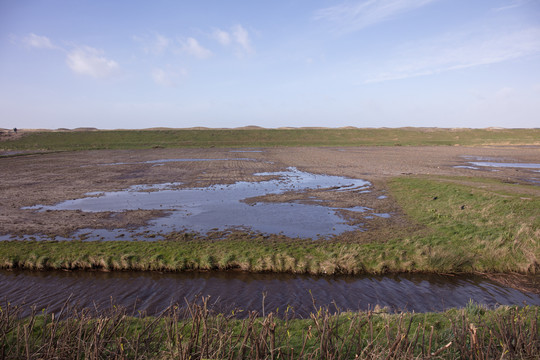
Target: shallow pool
[[227, 206]]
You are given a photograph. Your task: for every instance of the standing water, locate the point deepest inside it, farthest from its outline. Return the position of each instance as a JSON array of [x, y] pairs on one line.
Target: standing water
[[221, 207], [152, 292]]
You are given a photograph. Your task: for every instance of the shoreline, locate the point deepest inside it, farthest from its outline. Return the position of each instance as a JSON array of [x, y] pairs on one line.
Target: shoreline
[[523, 281]]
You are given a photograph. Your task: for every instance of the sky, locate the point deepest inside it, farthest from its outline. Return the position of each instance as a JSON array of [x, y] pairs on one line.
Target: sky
[[363, 63]]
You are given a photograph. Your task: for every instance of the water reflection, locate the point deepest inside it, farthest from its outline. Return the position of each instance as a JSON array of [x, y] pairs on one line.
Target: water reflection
[[224, 206]]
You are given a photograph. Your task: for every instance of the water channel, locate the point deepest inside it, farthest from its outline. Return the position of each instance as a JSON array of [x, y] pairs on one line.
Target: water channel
[[153, 292]]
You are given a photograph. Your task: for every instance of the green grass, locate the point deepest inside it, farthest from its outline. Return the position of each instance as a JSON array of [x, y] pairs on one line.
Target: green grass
[[195, 332], [472, 228], [453, 228], [141, 139]]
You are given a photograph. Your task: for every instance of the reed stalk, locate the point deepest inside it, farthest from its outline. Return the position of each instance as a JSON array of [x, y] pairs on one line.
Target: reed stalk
[[195, 331]]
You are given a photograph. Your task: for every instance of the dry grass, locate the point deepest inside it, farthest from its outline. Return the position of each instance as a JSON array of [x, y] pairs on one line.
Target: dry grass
[[194, 331]]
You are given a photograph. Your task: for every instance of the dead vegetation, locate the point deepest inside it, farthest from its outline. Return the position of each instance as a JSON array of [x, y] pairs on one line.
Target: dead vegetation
[[195, 331]]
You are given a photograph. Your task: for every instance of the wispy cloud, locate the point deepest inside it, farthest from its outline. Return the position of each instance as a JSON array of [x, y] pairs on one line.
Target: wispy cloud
[[238, 36], [192, 47], [39, 42], [356, 15], [511, 5], [167, 77], [223, 37], [86, 60], [459, 51], [241, 36], [153, 44]]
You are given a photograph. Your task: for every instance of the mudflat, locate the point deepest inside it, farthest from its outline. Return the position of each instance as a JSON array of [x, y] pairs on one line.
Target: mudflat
[[50, 178]]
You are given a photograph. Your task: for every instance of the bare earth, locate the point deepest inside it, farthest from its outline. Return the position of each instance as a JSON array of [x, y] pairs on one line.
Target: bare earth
[[48, 179]]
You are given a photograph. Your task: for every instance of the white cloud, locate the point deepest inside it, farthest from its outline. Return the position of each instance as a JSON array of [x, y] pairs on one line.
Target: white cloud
[[40, 42], [86, 60], [223, 37], [192, 47], [352, 16], [241, 37], [155, 44], [237, 36], [83, 60], [167, 78], [459, 51]]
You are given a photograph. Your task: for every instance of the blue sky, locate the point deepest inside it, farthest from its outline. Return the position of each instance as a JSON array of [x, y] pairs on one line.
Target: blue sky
[[367, 63]]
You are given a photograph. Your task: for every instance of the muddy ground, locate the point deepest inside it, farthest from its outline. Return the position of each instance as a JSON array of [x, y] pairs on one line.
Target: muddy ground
[[47, 179]]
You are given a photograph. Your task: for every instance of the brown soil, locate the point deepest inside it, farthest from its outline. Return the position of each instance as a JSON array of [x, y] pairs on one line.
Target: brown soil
[[47, 179]]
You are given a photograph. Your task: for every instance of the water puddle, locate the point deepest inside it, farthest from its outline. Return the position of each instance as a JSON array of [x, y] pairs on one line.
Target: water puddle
[[13, 152], [466, 167], [222, 207], [480, 158], [152, 292], [246, 151], [164, 161], [505, 165], [478, 162]]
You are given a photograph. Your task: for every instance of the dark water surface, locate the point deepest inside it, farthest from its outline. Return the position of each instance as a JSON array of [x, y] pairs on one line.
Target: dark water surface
[[153, 292]]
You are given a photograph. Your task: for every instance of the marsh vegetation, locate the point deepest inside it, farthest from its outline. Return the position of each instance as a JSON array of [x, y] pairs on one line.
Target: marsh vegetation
[[194, 331]]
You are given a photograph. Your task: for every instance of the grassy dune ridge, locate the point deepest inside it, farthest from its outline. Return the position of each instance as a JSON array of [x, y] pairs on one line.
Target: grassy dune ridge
[[194, 331], [458, 228], [144, 139]]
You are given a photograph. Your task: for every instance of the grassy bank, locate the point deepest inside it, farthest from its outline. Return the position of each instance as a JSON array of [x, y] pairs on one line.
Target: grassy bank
[[195, 332], [143, 139], [472, 224], [456, 225]]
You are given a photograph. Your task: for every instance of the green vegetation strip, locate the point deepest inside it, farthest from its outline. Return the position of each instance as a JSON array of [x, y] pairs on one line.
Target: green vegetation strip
[[455, 227], [195, 332], [472, 224], [144, 139]]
